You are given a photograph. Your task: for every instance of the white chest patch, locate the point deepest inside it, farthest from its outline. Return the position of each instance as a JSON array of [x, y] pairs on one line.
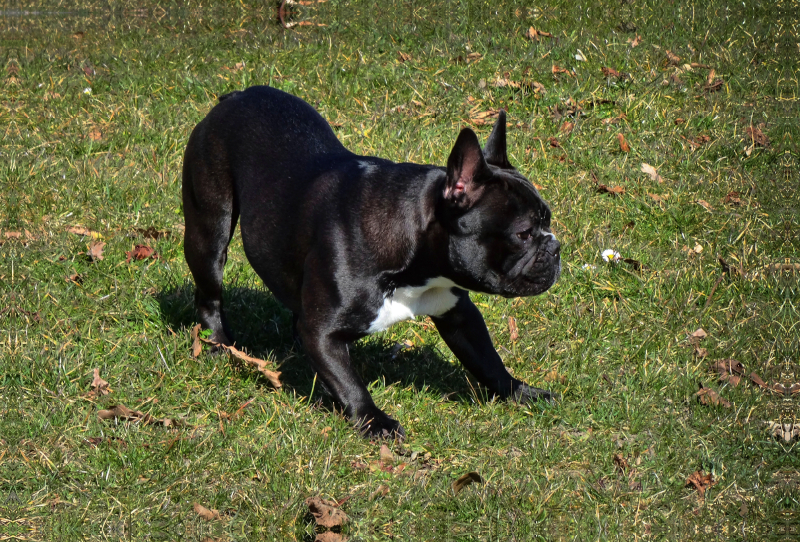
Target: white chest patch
[[433, 299]]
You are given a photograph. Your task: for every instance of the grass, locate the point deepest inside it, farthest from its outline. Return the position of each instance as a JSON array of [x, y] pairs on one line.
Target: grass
[[613, 341]]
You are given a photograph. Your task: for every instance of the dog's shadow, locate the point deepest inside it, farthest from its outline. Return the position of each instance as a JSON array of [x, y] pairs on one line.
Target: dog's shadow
[[263, 327]]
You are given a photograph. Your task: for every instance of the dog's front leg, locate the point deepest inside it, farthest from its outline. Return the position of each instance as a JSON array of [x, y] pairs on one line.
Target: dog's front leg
[[331, 361], [464, 331]]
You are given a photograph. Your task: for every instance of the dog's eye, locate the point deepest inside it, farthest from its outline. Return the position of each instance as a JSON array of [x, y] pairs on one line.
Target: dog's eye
[[524, 235]]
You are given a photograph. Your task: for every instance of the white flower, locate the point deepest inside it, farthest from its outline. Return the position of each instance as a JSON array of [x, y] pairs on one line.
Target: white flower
[[589, 267], [87, 90], [610, 255]]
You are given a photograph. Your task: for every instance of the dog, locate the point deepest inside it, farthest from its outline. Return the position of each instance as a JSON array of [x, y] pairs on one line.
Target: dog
[[352, 244]]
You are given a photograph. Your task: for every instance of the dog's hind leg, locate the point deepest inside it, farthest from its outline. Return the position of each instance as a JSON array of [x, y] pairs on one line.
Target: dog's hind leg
[[211, 213]]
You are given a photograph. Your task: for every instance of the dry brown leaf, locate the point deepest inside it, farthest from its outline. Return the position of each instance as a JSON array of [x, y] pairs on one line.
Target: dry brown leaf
[[755, 379], [197, 346], [554, 143], [673, 59], [95, 250], [326, 513], [636, 41], [567, 127], [733, 198], [621, 463], [473, 57], [699, 333], [512, 329], [651, 172], [623, 145], [95, 134], [534, 35], [80, 230], [205, 513], [728, 365], [403, 57], [537, 87], [756, 136], [613, 190], [260, 364], [705, 204], [76, 278], [140, 252], [701, 482], [387, 457], [123, 413], [465, 480], [98, 385], [558, 69], [707, 396], [611, 72]]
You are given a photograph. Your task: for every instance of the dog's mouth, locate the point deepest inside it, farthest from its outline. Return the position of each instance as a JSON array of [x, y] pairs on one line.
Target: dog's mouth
[[536, 271]]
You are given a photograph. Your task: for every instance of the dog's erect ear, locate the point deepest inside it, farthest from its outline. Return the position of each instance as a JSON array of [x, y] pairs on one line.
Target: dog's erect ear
[[495, 149], [466, 167]]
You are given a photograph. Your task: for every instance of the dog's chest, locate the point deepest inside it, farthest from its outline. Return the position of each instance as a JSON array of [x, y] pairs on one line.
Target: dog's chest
[[432, 299]]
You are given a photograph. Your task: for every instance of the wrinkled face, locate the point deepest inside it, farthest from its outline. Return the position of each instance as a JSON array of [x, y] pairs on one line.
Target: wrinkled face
[[503, 244]]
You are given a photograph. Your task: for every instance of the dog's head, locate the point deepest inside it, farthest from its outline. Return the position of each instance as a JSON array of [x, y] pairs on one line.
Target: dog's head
[[499, 238]]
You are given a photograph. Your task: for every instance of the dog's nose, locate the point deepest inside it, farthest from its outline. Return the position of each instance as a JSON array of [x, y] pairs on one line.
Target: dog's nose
[[550, 243]]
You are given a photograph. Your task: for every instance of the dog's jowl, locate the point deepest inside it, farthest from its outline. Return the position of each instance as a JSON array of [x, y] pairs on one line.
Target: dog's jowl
[[352, 244]]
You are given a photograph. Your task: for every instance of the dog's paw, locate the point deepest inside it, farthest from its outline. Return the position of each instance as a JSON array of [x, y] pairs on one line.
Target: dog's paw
[[378, 425], [529, 394]]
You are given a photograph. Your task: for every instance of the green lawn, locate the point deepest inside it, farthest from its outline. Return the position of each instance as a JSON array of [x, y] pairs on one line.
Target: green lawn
[[97, 105]]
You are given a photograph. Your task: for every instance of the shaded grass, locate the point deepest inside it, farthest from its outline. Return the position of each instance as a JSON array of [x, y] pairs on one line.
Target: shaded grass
[[610, 340]]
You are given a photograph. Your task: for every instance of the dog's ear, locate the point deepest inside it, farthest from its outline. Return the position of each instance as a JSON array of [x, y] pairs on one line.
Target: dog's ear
[[466, 167], [495, 149]]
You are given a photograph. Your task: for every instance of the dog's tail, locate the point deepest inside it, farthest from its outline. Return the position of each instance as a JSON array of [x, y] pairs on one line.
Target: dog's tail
[[229, 95]]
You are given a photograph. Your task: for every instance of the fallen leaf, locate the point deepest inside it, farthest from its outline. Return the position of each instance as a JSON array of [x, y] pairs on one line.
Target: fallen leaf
[[140, 252], [713, 83], [403, 57], [80, 230], [387, 458], [611, 72], [465, 480], [679, 121], [755, 379], [707, 396], [705, 204], [699, 333], [326, 513], [652, 172], [567, 127], [473, 57], [554, 143], [636, 41], [673, 59], [76, 278], [534, 35], [95, 250], [98, 385], [733, 198], [480, 118], [205, 513], [702, 139], [95, 134], [197, 346], [701, 482], [558, 69], [512, 329], [613, 190], [123, 413], [756, 136], [259, 364], [621, 463], [623, 145]]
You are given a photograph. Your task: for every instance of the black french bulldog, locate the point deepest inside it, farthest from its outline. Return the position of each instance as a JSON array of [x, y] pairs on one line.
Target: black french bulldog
[[352, 244]]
